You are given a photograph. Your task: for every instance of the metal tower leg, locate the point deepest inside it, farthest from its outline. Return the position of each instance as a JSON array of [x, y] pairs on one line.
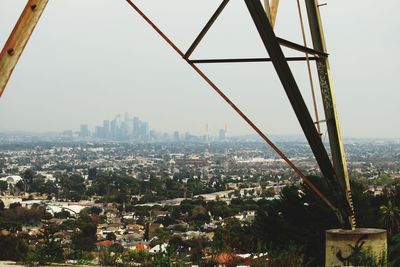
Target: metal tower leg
[[329, 102], [292, 91]]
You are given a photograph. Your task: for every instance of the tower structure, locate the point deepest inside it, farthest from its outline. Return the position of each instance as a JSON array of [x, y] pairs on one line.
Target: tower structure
[[207, 144], [205, 168], [264, 18], [226, 160], [338, 194]]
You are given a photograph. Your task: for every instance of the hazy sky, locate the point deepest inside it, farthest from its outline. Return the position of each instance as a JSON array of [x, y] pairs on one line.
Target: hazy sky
[[89, 60]]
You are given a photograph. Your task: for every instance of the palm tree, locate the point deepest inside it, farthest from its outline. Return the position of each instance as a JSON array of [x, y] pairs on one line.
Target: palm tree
[[390, 217]]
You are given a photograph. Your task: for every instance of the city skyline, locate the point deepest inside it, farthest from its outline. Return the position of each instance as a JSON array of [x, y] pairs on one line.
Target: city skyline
[[70, 83], [124, 127]]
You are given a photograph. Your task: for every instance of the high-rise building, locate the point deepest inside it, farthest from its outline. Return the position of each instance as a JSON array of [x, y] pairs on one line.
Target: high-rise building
[[176, 137], [221, 134], [129, 128], [145, 130], [136, 126], [106, 127], [68, 133], [126, 128], [125, 125], [113, 129], [84, 131], [99, 133]]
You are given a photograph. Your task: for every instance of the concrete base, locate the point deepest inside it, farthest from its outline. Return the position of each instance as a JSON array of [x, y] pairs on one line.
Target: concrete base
[[342, 244]]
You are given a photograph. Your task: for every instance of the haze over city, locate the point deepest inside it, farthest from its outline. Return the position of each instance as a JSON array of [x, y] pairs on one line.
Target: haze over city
[[122, 145], [90, 60]]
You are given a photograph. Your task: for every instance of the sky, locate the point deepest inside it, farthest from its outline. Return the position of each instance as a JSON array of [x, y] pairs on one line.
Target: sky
[[90, 60]]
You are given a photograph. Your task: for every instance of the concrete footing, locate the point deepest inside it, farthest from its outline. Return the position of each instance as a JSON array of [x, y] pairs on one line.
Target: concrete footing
[[343, 246]]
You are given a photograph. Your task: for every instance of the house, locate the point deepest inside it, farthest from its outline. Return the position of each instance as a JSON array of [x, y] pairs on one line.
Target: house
[[155, 214], [105, 243], [140, 246], [159, 248]]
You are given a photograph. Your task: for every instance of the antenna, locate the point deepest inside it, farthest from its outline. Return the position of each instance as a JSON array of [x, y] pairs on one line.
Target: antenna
[[226, 164], [206, 155], [207, 143]]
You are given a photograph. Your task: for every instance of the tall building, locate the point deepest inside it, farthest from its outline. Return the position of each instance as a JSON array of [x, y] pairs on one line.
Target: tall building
[[176, 137], [84, 131], [106, 127], [113, 129], [68, 133], [126, 125], [206, 143], [136, 126], [99, 133], [221, 134], [124, 128], [145, 129]]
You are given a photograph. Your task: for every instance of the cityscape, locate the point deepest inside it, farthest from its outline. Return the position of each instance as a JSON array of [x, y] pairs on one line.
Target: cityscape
[[199, 134], [139, 198], [133, 129]]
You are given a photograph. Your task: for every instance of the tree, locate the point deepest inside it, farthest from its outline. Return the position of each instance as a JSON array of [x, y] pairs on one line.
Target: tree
[[297, 216], [199, 213], [219, 209], [63, 214], [141, 256], [14, 205], [3, 186], [28, 176], [270, 192], [234, 236], [13, 248], [73, 187], [92, 173], [162, 235], [38, 185], [111, 236], [48, 249], [84, 237], [390, 217]]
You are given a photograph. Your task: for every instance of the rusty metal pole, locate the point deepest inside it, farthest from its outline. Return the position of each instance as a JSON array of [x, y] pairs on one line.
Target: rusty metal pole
[[18, 39]]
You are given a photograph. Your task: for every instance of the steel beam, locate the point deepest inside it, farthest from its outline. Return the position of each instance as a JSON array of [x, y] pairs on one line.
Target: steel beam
[[18, 39], [292, 91], [245, 60], [206, 28], [300, 48], [329, 102]]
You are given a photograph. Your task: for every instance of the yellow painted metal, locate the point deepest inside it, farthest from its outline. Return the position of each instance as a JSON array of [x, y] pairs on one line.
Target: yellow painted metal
[[340, 141], [267, 9], [18, 39], [310, 77], [274, 11], [329, 99], [271, 9]]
